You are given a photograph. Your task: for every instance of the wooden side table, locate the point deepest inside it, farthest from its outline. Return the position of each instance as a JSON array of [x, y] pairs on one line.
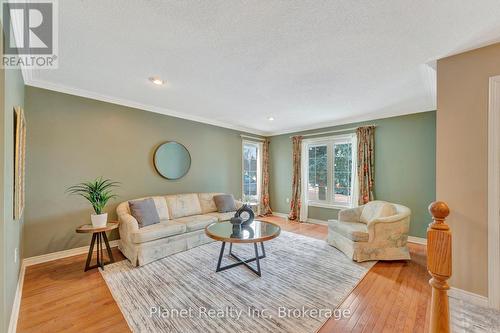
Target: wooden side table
[[98, 234]]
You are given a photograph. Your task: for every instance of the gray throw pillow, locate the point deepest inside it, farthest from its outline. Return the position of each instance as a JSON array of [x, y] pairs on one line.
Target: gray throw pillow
[[225, 203], [144, 212]]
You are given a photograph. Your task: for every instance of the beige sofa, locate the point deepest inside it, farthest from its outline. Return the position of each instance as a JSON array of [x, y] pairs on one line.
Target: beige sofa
[[183, 218], [375, 231]]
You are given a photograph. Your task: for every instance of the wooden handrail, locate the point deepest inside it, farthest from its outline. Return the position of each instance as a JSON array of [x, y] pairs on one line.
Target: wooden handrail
[[439, 266]]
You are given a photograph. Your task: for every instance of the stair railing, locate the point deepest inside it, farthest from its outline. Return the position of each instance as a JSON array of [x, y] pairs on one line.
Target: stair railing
[[439, 266]]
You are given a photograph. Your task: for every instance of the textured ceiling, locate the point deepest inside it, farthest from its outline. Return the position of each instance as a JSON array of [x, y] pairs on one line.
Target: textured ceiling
[[234, 63]]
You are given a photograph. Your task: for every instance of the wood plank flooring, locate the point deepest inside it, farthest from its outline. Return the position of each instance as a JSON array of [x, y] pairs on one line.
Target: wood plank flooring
[[59, 297]]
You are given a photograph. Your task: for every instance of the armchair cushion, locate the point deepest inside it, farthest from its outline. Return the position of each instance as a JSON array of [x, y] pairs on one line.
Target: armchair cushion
[[375, 231], [357, 232], [377, 209]]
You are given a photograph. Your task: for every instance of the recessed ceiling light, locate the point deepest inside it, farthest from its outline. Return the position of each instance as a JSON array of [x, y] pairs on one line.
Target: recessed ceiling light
[[157, 81], [270, 118]]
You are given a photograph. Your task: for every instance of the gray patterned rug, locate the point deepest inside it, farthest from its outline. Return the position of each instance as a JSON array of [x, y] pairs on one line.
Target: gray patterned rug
[[303, 281]]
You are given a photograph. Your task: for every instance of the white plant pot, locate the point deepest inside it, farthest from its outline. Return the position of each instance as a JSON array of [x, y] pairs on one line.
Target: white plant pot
[[99, 221]]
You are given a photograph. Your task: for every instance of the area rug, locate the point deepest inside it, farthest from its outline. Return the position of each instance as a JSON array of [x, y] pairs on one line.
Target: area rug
[[303, 282]]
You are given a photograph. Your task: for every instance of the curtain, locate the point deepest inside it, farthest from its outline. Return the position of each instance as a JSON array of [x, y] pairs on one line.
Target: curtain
[[303, 208], [296, 179], [265, 205], [366, 163]]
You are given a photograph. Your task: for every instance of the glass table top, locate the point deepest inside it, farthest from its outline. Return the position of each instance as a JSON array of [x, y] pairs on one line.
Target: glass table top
[[255, 232]]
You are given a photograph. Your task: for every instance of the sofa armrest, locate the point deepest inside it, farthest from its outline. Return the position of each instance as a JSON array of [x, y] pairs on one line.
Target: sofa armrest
[[128, 225], [393, 228], [350, 215]]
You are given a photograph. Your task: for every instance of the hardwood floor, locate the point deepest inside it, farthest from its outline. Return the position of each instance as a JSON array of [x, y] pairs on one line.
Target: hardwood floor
[[59, 297]]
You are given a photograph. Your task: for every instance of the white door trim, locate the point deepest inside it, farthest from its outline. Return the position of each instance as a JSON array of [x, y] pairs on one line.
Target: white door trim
[[494, 193]]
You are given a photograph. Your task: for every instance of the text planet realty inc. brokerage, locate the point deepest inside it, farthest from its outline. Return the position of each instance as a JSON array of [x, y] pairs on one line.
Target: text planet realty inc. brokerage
[[236, 313]]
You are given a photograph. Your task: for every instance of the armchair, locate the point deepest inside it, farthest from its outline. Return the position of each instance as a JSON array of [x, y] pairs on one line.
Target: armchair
[[375, 231]]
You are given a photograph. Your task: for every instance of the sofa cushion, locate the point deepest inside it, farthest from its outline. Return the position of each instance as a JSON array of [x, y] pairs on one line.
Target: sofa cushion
[[225, 203], [144, 212], [222, 216], [195, 222], [207, 202], [180, 205], [357, 232], [377, 209], [165, 228]]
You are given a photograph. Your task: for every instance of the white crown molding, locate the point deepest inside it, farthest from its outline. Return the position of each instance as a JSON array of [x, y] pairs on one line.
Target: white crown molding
[[27, 75], [346, 121], [28, 80]]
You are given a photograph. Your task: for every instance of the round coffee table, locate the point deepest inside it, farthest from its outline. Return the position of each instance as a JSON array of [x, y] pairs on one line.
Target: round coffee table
[[255, 232], [99, 235]]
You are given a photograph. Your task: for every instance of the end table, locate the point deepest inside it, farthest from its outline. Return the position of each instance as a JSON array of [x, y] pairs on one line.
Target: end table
[[98, 234]]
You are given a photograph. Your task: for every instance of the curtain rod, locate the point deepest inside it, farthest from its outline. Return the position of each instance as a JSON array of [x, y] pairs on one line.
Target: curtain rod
[[335, 131], [251, 137]]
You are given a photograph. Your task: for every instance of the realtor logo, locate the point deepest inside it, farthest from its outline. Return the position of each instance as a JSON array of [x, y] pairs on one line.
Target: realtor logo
[[30, 38]]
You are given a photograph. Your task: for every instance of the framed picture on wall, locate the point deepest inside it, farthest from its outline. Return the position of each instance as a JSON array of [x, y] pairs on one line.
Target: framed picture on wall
[[19, 161]]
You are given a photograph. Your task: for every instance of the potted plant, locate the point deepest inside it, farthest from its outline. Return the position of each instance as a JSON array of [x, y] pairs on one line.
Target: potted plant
[[98, 193]]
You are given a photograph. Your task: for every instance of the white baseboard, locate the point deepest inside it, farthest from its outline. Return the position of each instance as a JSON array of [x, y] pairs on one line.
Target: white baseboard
[[316, 221], [468, 297], [417, 240], [14, 315], [60, 254], [283, 215], [313, 221]]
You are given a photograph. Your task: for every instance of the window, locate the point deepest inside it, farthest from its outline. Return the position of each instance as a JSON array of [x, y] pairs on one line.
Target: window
[[251, 171], [330, 170]]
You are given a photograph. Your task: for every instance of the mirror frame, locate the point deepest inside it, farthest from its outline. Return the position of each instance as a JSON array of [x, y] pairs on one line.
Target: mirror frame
[[154, 160]]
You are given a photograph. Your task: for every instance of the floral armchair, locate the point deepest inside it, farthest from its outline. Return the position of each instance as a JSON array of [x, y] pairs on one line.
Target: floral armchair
[[375, 231]]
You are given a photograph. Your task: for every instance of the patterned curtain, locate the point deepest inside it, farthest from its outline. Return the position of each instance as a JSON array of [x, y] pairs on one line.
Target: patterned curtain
[[366, 163], [296, 179], [265, 205]]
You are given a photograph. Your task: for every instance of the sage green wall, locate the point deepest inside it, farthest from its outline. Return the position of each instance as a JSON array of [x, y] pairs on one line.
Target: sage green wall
[[13, 229], [71, 139], [405, 167], [12, 94]]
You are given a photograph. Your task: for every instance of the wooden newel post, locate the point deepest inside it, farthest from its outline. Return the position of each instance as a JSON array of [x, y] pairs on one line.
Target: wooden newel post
[[439, 266]]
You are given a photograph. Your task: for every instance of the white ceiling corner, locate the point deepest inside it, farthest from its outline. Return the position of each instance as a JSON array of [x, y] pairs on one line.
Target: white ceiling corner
[[308, 64]]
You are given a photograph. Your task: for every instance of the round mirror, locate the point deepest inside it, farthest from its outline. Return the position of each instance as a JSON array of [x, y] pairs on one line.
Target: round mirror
[[172, 160]]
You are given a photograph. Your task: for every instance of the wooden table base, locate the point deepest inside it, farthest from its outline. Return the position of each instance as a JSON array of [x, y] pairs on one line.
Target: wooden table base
[[99, 236]]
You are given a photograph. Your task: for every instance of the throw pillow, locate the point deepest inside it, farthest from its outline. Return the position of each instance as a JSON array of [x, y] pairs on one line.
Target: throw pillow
[[225, 203], [144, 212]]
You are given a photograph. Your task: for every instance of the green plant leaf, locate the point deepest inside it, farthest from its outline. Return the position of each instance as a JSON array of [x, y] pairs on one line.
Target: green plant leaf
[[98, 192]]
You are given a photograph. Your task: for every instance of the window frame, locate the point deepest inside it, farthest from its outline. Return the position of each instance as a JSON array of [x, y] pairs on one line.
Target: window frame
[[330, 142], [259, 169]]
